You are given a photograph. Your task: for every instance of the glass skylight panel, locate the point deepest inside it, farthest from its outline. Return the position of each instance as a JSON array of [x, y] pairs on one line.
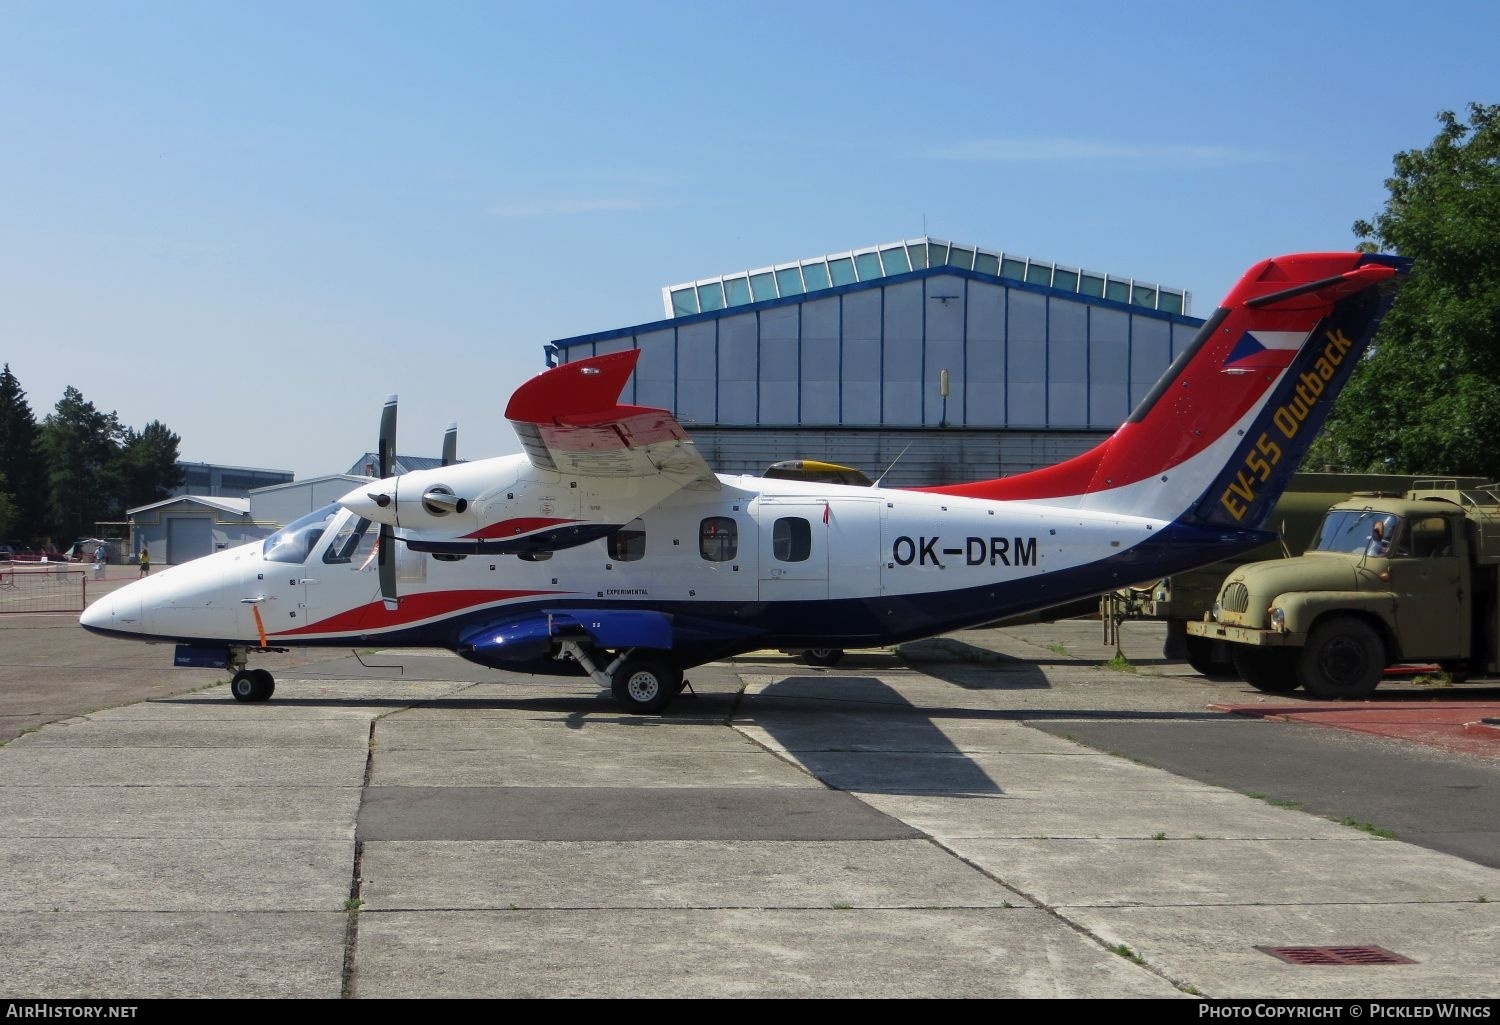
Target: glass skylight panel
[[868, 265], [937, 254], [737, 291], [1119, 291], [842, 269], [1038, 274], [763, 285], [1067, 280], [1010, 267], [895, 260], [917, 252], [1170, 302], [789, 281], [684, 302], [1093, 285], [1143, 295], [987, 263], [816, 275], [711, 297], [961, 258]]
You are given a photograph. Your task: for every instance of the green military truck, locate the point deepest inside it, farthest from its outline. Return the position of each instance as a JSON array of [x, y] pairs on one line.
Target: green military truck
[[1184, 598], [1388, 578]]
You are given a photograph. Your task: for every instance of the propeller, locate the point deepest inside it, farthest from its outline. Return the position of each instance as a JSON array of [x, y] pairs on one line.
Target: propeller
[[450, 445], [386, 452]]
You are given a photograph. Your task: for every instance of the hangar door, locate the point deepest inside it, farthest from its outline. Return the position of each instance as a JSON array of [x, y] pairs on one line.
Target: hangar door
[[189, 537]]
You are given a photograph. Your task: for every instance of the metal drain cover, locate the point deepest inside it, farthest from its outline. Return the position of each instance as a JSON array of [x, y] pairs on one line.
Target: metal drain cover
[[1367, 955]]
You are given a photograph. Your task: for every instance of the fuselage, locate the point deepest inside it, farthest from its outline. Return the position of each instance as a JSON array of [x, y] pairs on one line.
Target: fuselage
[[754, 563]]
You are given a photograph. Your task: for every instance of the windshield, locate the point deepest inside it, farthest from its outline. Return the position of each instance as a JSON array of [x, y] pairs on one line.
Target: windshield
[[294, 542], [1358, 532]]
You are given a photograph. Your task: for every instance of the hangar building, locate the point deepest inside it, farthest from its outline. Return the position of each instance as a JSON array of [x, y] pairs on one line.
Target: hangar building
[[844, 357]]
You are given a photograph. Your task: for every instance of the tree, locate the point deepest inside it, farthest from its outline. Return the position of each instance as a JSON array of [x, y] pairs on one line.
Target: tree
[[147, 469], [1426, 399], [20, 462], [7, 509], [80, 445]]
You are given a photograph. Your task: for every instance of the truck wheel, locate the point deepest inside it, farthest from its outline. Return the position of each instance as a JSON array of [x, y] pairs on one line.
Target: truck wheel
[[1273, 671], [1200, 655], [1344, 658]]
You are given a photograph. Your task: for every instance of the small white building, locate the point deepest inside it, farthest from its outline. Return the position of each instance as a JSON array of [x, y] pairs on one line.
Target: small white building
[[177, 530]]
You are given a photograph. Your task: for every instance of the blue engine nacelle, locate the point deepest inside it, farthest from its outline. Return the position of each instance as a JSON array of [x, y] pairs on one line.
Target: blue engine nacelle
[[519, 642]]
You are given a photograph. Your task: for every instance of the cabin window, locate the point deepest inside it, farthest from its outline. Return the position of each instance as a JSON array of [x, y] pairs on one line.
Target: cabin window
[[628, 544], [791, 539], [718, 539], [1432, 538]]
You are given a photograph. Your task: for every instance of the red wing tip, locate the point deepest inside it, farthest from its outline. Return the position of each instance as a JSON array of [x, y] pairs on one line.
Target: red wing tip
[[583, 386]]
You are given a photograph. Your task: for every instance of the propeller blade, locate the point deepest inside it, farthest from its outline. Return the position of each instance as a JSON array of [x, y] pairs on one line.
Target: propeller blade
[[386, 449], [450, 445], [387, 566]]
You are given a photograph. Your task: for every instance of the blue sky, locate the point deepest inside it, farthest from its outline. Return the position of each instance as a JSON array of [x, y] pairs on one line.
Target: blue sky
[[253, 221]]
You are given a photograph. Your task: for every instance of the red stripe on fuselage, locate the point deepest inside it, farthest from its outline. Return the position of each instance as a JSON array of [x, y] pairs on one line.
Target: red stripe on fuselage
[[413, 608], [516, 527]]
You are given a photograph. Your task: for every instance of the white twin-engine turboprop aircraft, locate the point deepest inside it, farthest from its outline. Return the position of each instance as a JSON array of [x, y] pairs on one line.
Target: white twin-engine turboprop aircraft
[[610, 548]]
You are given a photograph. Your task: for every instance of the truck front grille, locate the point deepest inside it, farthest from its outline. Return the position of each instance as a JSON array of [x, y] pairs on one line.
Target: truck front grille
[[1236, 598]]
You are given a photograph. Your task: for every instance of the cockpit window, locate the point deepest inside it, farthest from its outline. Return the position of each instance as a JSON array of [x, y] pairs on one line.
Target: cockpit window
[[354, 543], [294, 542]]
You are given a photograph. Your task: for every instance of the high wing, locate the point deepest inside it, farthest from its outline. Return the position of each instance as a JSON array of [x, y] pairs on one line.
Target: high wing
[[592, 465], [570, 421]]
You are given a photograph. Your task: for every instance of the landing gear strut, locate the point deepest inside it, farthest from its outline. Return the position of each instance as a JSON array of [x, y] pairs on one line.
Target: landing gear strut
[[642, 684]]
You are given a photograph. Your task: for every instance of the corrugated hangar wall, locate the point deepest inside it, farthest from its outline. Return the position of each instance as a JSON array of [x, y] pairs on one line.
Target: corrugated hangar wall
[[1035, 374]]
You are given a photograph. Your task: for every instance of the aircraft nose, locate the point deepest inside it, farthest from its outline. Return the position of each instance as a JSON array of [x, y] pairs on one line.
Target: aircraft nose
[[374, 501], [120, 611]]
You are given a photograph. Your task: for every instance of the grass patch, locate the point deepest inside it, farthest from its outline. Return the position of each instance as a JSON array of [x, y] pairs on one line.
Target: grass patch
[[1438, 679], [1120, 664], [353, 904], [1058, 649], [1158, 836], [1365, 827], [1124, 951]]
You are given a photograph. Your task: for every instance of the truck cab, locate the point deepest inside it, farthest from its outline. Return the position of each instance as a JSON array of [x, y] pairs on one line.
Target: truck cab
[[1388, 578]]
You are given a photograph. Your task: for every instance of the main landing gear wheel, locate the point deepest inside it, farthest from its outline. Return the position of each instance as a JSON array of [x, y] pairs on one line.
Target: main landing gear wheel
[[1273, 671], [1344, 658], [252, 685], [644, 685], [823, 656]]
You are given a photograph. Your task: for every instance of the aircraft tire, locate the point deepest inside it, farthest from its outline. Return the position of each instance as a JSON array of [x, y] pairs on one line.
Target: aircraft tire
[[1271, 671], [645, 685], [826, 657], [252, 685], [1344, 659]]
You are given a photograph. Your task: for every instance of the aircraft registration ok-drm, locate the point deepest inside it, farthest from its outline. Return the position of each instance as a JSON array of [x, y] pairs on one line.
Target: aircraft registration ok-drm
[[610, 548]]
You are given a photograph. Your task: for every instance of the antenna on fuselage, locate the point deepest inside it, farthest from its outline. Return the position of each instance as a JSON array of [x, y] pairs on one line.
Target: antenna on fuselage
[[888, 469]]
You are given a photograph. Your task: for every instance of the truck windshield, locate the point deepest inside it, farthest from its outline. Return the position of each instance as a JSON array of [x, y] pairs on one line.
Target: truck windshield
[[1359, 532]]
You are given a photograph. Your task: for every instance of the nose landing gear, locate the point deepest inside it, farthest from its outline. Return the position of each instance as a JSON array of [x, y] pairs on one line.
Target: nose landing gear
[[252, 685]]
